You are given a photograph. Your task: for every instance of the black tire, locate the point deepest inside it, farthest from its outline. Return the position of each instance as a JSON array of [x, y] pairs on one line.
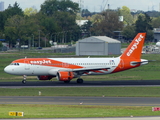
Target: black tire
[[24, 81], [79, 80]]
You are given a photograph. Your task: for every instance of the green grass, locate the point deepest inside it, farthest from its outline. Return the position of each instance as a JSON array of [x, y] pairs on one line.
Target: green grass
[[84, 91], [74, 111]]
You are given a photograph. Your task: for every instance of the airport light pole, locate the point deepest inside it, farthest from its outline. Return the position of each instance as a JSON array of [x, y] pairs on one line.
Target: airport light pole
[[45, 39], [70, 36], [65, 36], [52, 35], [57, 34], [39, 39], [33, 41]]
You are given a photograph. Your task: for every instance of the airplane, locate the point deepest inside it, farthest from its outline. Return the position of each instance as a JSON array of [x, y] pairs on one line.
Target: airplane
[[65, 69]]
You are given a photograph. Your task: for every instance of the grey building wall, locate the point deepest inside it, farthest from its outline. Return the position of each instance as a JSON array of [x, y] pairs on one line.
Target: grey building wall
[[114, 48], [156, 34], [91, 48], [94, 46]]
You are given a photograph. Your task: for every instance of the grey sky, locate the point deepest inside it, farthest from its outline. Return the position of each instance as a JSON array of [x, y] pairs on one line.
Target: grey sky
[[95, 5]]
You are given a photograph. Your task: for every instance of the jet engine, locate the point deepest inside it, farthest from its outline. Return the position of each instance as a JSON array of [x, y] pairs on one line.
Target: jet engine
[[45, 77], [65, 76]]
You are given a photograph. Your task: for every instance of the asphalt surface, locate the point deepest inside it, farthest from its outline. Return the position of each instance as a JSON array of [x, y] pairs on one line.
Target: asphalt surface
[[109, 101], [86, 83]]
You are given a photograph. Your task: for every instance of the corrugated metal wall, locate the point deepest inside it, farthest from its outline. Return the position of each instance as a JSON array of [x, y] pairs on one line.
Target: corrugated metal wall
[[114, 48], [97, 47], [91, 48]]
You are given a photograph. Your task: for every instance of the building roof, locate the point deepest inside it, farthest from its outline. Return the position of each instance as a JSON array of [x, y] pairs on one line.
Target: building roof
[[81, 22], [102, 38]]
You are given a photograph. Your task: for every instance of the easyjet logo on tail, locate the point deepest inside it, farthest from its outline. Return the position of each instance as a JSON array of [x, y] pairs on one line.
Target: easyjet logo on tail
[[135, 45]]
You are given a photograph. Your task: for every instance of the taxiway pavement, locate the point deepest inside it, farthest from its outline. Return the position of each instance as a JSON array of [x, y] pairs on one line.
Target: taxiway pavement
[[69, 100]]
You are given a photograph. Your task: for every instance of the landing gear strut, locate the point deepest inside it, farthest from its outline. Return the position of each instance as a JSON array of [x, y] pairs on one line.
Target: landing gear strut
[[24, 79], [79, 80]]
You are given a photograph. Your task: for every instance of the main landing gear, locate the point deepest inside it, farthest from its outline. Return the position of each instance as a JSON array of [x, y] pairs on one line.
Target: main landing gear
[[79, 80], [24, 79]]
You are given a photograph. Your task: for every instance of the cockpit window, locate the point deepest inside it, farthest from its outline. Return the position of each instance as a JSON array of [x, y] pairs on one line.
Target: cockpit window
[[15, 64]]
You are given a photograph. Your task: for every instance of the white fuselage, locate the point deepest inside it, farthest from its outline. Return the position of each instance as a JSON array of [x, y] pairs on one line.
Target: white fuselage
[[32, 69]]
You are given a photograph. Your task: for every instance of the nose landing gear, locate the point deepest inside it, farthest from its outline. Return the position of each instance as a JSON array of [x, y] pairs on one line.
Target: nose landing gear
[[24, 79]]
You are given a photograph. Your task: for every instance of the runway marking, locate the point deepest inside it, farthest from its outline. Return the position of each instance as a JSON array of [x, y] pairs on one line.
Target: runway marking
[[87, 99], [66, 99]]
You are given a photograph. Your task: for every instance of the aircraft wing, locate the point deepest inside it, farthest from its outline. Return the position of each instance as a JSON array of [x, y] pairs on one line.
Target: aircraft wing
[[87, 69], [90, 69]]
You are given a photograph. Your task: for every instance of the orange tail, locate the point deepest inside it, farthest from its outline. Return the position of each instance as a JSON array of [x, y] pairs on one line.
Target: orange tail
[[134, 50]]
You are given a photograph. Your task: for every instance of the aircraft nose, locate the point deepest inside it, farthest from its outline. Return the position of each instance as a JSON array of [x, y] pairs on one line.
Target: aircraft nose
[[8, 69]]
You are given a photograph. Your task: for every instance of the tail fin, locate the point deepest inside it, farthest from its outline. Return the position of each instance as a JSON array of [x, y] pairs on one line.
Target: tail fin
[[134, 50]]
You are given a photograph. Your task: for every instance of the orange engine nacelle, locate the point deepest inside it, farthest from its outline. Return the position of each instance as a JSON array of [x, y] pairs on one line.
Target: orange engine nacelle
[[45, 77], [65, 76]]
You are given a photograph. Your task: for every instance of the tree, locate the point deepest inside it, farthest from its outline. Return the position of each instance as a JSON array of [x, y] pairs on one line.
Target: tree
[[143, 24], [2, 21], [86, 13], [50, 7], [129, 32], [126, 13], [30, 11], [48, 25], [9, 12], [31, 30], [97, 18], [156, 23], [108, 25], [21, 29], [86, 28], [13, 10], [61, 15], [13, 28], [67, 22]]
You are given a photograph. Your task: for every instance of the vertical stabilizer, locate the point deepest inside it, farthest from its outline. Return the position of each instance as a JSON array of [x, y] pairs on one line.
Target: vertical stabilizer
[[134, 50]]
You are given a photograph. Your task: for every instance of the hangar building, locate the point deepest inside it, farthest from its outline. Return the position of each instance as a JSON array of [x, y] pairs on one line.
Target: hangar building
[[98, 45]]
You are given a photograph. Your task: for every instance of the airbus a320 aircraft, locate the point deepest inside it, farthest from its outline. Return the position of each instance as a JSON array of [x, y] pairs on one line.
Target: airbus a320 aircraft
[[65, 69]]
